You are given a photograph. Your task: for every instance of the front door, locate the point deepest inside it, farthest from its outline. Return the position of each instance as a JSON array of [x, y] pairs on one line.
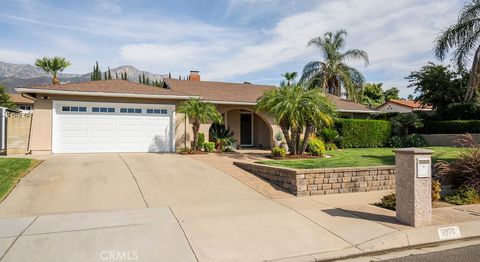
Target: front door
[[246, 129]]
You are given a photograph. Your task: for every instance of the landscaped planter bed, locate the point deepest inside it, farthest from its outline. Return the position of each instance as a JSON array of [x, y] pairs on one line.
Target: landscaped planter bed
[[306, 182]]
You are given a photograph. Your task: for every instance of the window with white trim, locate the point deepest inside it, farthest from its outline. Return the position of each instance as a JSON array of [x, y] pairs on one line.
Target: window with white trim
[[80, 109], [25, 107], [103, 110], [157, 111], [131, 110]]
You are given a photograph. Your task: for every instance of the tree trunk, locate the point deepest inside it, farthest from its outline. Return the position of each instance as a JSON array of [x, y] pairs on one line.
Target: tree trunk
[[474, 77], [293, 148], [298, 145], [55, 81], [306, 137], [195, 129], [286, 134]]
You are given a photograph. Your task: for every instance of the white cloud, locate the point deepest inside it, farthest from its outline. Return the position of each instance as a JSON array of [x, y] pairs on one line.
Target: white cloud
[[13, 56]]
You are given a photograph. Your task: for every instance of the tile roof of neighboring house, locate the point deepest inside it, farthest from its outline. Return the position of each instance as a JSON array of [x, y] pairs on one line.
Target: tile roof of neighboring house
[[19, 99], [207, 90], [409, 103], [219, 91]]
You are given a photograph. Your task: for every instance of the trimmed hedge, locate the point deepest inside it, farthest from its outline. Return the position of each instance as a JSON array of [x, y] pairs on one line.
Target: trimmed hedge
[[452, 127], [363, 132]]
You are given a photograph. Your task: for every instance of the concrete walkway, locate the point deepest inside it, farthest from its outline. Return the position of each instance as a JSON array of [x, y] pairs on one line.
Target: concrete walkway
[[175, 208]]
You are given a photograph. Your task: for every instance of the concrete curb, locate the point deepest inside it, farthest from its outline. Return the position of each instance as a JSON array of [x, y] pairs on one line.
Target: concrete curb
[[395, 241]]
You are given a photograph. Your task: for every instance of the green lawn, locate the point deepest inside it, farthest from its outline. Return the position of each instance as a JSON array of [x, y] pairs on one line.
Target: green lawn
[[356, 157], [11, 171]]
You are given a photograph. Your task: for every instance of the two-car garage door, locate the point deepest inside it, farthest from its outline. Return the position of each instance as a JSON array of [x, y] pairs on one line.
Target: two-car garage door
[[84, 127]]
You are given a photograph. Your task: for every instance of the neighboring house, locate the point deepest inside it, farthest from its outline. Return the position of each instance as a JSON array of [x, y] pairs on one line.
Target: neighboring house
[[123, 116], [24, 104], [402, 106]]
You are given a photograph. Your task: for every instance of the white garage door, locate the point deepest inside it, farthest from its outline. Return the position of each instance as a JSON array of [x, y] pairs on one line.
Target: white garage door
[[84, 127]]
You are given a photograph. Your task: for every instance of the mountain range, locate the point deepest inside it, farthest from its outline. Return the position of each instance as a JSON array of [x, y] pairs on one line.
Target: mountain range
[[24, 75]]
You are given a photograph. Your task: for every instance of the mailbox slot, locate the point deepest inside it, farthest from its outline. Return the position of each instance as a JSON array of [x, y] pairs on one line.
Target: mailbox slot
[[424, 167]]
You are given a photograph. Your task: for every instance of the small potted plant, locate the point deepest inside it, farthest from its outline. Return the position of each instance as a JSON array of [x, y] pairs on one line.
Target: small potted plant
[[278, 138]]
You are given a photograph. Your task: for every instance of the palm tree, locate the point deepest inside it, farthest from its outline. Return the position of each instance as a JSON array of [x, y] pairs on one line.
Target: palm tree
[[332, 74], [290, 77], [53, 66], [404, 123], [199, 112], [463, 38], [297, 110]]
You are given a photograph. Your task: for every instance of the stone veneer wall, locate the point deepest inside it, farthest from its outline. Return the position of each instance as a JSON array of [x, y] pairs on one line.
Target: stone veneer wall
[[307, 182]]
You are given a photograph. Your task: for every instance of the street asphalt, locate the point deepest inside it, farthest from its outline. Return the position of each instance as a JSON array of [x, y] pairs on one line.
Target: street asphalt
[[463, 254]]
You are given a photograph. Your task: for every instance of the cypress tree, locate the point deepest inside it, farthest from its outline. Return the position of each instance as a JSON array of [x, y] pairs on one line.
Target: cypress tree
[[126, 77], [139, 79], [143, 78], [116, 75], [109, 74]]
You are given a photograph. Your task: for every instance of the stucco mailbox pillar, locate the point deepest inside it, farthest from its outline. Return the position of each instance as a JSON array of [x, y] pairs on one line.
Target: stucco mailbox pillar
[[413, 175]]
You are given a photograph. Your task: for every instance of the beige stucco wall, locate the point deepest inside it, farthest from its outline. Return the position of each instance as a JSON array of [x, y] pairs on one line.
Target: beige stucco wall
[[41, 137], [18, 133], [392, 107]]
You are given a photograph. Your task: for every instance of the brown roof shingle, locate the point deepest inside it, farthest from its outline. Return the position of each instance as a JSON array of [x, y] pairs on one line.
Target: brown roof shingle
[[410, 103], [219, 91], [111, 86]]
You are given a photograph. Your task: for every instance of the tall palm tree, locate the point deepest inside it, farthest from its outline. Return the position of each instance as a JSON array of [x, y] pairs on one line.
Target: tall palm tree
[[199, 112], [53, 66], [332, 74], [297, 110], [289, 77], [463, 38]]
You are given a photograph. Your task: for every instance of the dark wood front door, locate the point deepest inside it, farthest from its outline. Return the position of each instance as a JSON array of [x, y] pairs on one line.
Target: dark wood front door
[[246, 125]]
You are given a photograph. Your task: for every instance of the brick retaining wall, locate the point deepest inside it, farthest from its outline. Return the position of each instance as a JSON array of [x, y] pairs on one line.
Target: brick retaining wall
[[306, 182]]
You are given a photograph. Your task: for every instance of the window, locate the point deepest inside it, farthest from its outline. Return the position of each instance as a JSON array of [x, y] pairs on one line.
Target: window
[[131, 110], [27, 108], [69, 108], [103, 110], [157, 111]]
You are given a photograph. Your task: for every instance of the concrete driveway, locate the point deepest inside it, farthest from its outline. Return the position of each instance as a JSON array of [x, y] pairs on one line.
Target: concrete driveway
[[89, 182]]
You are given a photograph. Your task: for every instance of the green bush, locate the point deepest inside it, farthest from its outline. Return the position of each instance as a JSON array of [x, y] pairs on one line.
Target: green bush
[[413, 140], [329, 135], [452, 127], [388, 202], [459, 111], [201, 140], [396, 142], [228, 149], [356, 133], [330, 146], [185, 151], [463, 196], [209, 147], [316, 147], [279, 152]]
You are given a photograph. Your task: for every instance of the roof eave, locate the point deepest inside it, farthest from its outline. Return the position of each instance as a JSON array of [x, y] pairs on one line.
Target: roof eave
[[104, 94]]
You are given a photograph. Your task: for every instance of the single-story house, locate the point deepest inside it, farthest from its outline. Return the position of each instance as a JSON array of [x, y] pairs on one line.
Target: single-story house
[[402, 106], [24, 104], [123, 116]]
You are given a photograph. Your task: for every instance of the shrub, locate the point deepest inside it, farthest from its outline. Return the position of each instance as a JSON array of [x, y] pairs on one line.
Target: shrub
[[279, 136], [404, 124], [452, 127], [329, 135], [363, 132], [436, 189], [414, 140], [315, 146], [395, 142], [457, 111], [279, 152], [465, 170], [228, 149], [330, 146], [186, 151], [463, 196], [201, 140], [388, 202], [209, 146]]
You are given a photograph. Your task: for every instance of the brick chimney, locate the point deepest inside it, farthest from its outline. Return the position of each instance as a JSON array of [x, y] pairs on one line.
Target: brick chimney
[[194, 76]]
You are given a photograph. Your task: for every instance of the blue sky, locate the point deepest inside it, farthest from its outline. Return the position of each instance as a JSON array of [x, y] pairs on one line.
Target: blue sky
[[227, 40]]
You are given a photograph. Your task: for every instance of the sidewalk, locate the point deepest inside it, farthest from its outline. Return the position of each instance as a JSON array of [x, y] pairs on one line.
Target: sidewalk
[[289, 229]]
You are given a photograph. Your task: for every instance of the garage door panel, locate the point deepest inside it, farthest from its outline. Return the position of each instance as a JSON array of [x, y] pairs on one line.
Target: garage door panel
[[78, 132]]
